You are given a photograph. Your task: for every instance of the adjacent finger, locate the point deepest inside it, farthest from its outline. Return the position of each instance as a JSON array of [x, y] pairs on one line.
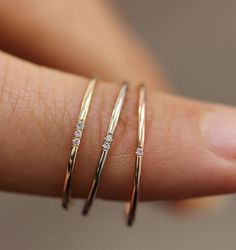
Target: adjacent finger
[[84, 37]]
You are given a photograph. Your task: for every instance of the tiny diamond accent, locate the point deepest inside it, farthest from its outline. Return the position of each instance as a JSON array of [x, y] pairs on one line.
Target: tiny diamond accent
[[80, 125], [78, 133], [108, 137], [76, 141], [139, 151], [106, 145]]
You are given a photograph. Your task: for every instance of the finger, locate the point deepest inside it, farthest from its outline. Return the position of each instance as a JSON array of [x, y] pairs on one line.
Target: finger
[[189, 150], [84, 37], [200, 205]]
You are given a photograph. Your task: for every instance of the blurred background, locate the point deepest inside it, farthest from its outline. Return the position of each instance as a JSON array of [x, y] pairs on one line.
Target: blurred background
[[196, 44]]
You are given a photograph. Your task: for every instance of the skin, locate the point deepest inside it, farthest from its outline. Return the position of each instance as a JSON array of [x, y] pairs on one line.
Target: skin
[[39, 108], [103, 47]]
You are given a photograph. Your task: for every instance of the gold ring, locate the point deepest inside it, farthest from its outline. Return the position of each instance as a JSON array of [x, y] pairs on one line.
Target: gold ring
[[76, 142], [106, 146], [139, 155]]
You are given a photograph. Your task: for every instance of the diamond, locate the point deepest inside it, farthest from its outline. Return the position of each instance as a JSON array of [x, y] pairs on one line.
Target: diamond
[[139, 151], [76, 141], [80, 125], [108, 137], [78, 133], [106, 145]]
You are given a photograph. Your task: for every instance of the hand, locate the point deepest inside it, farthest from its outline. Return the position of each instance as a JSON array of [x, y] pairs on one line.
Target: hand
[[189, 151]]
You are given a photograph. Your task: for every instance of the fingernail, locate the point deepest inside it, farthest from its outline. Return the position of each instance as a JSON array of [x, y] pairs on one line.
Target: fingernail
[[219, 130]]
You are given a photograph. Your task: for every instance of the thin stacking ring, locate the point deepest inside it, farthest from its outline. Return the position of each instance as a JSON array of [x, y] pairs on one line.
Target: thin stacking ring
[[106, 146], [139, 155], [76, 142]]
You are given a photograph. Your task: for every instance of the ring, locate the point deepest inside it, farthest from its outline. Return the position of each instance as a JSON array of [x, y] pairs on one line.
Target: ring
[[105, 147], [139, 155], [76, 142]]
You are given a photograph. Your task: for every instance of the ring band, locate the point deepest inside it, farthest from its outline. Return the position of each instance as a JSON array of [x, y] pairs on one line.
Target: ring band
[[76, 142], [106, 146], [139, 155]]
